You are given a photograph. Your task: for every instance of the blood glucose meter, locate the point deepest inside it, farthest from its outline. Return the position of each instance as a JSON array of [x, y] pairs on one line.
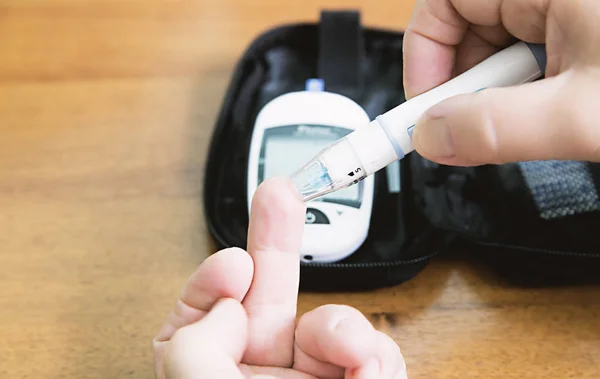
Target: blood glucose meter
[[290, 130]]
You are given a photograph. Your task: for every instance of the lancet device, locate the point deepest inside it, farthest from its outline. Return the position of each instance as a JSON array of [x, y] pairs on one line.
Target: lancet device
[[288, 131], [388, 137]]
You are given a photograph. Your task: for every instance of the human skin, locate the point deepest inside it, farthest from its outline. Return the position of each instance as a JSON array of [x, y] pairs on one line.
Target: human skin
[[553, 118], [236, 316]]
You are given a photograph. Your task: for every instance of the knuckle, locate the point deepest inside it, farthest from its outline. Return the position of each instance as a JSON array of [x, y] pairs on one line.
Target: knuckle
[[525, 19], [475, 130]]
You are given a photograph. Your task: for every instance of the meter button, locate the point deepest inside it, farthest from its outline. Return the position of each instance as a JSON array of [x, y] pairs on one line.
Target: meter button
[[314, 216]]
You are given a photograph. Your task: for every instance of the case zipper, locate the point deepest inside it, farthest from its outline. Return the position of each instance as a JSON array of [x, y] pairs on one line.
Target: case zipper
[[535, 250], [371, 264]]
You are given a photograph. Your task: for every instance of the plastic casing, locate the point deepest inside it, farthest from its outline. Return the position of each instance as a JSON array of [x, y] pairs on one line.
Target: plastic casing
[[389, 137], [345, 233]]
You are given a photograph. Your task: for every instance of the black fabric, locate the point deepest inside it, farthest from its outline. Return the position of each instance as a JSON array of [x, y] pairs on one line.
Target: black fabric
[[340, 52], [489, 210], [492, 205]]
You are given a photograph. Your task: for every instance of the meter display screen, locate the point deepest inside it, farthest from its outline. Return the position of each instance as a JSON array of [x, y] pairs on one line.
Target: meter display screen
[[285, 149]]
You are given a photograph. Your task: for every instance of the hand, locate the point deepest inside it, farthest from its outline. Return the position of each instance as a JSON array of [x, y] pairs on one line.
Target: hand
[[236, 317], [554, 118]]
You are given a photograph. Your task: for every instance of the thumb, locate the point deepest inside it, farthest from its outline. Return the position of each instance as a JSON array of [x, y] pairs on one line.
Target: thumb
[[210, 348], [553, 118]]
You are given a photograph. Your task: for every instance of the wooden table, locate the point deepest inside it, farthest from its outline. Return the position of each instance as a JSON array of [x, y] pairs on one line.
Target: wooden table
[[106, 110]]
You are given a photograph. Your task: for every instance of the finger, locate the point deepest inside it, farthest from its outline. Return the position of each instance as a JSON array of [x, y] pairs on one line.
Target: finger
[[524, 19], [430, 38], [211, 347], [479, 43], [438, 27], [331, 338], [268, 372], [228, 273], [274, 241], [549, 119], [387, 364]]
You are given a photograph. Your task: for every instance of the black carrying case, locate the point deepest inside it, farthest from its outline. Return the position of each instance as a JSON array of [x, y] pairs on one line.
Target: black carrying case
[[534, 222]]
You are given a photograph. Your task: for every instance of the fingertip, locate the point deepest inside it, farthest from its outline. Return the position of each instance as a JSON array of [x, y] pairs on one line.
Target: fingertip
[[356, 333], [337, 334], [446, 135], [233, 260], [277, 221], [239, 264], [279, 191], [227, 273], [500, 125], [432, 138]]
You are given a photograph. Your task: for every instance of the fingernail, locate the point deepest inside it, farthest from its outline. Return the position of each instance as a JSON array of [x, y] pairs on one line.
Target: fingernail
[[432, 137]]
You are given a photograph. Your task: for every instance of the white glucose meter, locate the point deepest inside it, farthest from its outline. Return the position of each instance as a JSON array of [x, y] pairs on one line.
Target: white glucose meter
[[290, 130]]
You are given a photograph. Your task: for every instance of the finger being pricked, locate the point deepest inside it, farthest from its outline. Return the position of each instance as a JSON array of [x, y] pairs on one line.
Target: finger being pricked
[[277, 219], [337, 341]]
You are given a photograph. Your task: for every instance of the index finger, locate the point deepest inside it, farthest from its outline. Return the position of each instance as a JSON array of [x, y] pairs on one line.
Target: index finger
[[274, 240]]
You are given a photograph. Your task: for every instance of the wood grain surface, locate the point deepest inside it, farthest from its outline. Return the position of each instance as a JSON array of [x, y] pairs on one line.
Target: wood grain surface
[[106, 109]]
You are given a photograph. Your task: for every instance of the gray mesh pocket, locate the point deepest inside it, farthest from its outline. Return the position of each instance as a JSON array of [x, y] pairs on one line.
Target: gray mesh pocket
[[561, 188]]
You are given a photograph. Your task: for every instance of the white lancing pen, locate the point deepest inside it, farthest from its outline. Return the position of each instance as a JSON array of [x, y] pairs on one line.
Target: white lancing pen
[[388, 137]]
